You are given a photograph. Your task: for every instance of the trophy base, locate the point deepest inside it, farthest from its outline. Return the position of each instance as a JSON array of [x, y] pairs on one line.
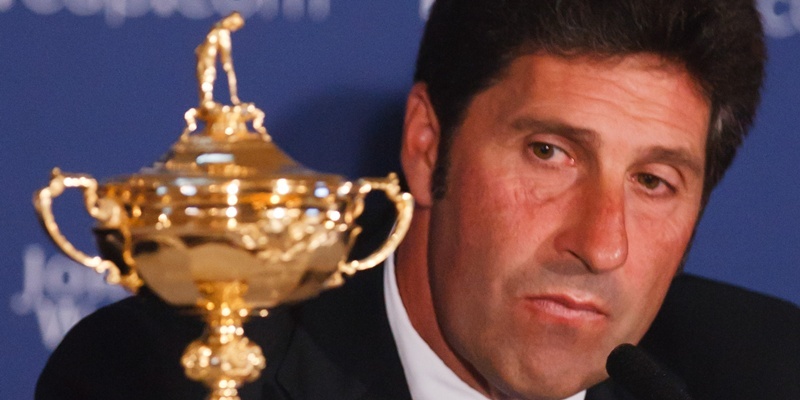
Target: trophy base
[[223, 359]]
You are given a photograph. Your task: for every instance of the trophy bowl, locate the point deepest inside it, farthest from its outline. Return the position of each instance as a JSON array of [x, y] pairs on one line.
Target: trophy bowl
[[226, 222]]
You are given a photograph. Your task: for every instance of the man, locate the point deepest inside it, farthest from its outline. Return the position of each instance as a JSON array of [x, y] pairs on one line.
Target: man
[[560, 153]]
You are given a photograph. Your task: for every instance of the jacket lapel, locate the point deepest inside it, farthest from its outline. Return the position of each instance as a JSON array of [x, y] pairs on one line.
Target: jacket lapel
[[308, 373]]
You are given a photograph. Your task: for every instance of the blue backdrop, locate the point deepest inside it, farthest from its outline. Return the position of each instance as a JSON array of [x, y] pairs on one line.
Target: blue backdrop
[[100, 86]]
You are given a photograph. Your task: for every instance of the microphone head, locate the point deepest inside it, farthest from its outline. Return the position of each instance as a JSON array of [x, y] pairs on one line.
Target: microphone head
[[634, 370]]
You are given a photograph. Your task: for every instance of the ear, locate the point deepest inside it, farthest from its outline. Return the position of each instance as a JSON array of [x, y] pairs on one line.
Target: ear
[[420, 144]]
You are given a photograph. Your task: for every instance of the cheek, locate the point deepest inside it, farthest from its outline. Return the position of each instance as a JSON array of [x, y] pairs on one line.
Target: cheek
[[496, 209], [479, 231], [661, 235], [503, 212], [656, 248], [661, 240]]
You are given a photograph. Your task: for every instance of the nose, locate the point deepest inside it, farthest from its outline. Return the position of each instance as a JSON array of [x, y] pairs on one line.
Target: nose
[[595, 232]]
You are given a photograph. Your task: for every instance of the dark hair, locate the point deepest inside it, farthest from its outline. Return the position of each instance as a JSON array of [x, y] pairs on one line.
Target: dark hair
[[468, 44]]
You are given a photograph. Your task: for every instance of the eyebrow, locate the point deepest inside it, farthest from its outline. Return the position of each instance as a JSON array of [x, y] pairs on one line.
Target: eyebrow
[[585, 135], [661, 154], [678, 157]]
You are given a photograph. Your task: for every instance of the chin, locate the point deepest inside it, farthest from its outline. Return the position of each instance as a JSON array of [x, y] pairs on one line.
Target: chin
[[547, 388], [550, 374]]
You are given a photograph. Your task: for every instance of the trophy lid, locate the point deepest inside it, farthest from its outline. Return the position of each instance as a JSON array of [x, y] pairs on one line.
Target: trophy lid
[[224, 150]]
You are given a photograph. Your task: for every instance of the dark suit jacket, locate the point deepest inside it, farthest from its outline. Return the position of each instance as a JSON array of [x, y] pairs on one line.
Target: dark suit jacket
[[725, 343]]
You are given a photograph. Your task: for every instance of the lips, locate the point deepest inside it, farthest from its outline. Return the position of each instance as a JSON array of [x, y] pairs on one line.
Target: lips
[[566, 308]]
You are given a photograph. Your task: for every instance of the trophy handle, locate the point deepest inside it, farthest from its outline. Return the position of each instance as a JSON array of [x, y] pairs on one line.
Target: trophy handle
[[404, 203], [103, 210]]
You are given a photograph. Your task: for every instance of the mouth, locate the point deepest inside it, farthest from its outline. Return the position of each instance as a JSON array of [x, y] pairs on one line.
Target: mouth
[[565, 308]]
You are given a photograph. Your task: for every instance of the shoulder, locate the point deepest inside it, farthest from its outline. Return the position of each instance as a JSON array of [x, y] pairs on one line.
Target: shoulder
[[110, 353], [727, 342]]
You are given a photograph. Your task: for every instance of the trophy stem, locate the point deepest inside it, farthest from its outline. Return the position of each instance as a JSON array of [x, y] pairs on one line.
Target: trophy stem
[[223, 359]]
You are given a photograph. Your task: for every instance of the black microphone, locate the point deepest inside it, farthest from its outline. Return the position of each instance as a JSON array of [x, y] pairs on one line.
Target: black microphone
[[634, 370]]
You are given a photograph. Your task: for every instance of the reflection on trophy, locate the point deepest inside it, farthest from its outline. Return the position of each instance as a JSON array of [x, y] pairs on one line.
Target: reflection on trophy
[[227, 222]]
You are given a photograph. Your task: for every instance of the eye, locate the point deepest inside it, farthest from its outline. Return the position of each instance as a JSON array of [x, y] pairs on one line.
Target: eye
[[652, 182], [546, 154], [545, 151]]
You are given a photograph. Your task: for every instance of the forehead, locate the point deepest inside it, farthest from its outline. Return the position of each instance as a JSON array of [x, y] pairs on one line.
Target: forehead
[[637, 93], [643, 82]]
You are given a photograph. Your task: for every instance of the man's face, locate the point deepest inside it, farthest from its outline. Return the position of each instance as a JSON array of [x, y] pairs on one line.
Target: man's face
[[572, 193]]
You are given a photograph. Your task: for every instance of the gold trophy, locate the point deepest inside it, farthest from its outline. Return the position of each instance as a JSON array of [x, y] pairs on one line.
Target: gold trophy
[[227, 222]]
